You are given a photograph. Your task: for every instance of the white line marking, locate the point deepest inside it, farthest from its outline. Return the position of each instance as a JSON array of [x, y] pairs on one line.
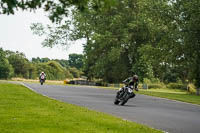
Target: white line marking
[[38, 93]]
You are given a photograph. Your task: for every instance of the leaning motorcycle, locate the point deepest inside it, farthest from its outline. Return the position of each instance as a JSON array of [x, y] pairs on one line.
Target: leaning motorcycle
[[123, 95]]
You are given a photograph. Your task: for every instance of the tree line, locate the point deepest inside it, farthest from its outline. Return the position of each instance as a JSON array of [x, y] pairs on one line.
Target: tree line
[[158, 40], [15, 64]]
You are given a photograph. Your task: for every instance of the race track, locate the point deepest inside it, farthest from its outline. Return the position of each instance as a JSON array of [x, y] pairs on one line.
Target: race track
[[166, 115]]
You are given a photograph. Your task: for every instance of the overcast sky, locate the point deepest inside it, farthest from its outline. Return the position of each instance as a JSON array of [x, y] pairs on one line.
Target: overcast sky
[[15, 35]]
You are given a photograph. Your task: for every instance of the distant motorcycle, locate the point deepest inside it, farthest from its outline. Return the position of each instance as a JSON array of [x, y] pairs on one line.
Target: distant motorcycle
[[123, 95], [42, 79]]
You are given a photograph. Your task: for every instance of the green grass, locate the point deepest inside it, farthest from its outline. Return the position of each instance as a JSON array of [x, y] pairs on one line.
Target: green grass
[[23, 111], [173, 94]]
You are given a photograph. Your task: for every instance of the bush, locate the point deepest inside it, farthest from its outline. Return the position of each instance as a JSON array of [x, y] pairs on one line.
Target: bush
[[75, 72], [156, 85], [68, 74], [152, 80], [53, 70], [146, 81], [177, 86], [155, 80], [192, 88]]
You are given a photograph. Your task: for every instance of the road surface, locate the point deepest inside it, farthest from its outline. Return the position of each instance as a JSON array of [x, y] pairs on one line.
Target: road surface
[[166, 115]]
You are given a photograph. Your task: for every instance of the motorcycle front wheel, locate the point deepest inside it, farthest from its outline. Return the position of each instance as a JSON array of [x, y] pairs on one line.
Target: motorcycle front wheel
[[116, 102], [125, 99]]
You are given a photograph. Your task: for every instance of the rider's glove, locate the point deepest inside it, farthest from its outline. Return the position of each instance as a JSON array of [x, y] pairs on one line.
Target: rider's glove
[[136, 89]]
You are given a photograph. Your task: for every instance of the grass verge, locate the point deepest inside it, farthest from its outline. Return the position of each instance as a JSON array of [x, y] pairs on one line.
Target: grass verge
[[23, 111], [173, 94]]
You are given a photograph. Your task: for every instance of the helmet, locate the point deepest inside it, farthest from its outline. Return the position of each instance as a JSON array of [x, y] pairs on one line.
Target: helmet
[[42, 72], [135, 78]]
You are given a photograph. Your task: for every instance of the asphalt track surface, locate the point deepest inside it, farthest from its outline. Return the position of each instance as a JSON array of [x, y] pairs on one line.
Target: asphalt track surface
[[169, 116]]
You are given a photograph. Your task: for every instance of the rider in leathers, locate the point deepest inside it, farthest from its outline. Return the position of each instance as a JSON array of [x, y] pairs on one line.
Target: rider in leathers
[[42, 76], [131, 82]]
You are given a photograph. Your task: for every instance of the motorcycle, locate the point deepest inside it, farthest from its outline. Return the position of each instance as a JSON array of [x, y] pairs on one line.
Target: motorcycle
[[123, 95], [42, 79]]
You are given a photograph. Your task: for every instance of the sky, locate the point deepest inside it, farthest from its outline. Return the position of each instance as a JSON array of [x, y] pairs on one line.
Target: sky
[[16, 35]]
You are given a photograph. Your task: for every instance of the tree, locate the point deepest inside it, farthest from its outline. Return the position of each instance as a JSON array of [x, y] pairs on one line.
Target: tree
[[156, 39], [76, 60], [20, 64], [36, 60], [57, 9], [54, 70], [188, 18], [32, 71], [63, 63], [6, 69], [113, 37]]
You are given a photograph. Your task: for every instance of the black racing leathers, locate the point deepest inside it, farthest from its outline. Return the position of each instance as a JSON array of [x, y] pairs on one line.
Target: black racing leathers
[[129, 82]]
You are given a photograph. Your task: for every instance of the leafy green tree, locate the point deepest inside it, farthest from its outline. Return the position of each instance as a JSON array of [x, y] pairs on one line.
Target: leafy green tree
[[76, 60], [57, 9], [45, 59], [6, 70], [36, 60], [32, 71], [56, 35], [20, 64], [188, 18], [155, 39], [54, 70], [112, 36], [63, 63], [113, 40], [144, 67]]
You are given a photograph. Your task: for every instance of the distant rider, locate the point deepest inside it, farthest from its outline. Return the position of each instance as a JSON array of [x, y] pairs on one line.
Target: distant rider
[[132, 83], [42, 76]]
